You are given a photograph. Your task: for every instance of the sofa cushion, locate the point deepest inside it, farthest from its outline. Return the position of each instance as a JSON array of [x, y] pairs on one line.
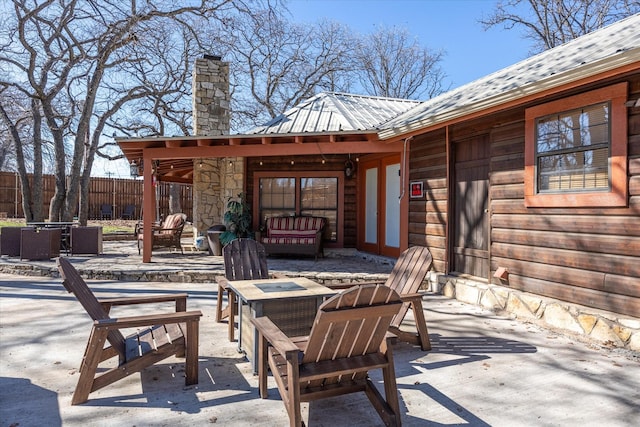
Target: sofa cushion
[[289, 240], [300, 223], [293, 234]]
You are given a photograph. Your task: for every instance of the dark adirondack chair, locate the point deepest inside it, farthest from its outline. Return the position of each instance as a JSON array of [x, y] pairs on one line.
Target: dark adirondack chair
[[348, 339], [244, 259], [106, 212], [406, 277], [129, 212], [159, 336]]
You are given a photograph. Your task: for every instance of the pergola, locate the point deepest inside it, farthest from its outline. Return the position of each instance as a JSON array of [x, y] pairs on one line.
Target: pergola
[[171, 159]]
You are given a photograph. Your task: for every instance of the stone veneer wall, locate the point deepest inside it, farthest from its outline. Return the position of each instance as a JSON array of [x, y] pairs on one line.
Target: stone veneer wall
[[214, 180], [599, 326]]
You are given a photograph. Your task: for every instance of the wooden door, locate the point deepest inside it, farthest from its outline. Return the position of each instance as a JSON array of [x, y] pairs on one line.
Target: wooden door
[[379, 206], [471, 196]]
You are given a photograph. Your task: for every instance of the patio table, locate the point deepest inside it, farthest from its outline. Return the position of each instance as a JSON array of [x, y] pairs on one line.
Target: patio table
[[291, 303]]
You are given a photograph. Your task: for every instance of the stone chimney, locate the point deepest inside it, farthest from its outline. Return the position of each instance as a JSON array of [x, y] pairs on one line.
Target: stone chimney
[[217, 179]]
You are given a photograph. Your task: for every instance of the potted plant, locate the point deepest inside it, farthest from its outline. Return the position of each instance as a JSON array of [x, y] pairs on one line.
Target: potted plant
[[237, 219]]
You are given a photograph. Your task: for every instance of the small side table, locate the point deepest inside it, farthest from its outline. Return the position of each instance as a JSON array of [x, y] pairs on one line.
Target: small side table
[[86, 240], [40, 244], [290, 302]]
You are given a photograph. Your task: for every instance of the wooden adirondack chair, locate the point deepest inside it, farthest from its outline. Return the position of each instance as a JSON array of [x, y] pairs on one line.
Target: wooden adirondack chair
[[159, 337], [348, 338], [405, 278], [244, 259]]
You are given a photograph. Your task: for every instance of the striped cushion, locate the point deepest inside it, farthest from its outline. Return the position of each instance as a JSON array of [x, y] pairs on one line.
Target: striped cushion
[[293, 234], [299, 223], [289, 241]]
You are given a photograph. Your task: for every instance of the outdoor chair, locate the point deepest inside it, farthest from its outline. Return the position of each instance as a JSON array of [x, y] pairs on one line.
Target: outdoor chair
[[348, 339], [244, 259], [106, 212], [129, 212], [168, 234], [159, 336], [405, 278]]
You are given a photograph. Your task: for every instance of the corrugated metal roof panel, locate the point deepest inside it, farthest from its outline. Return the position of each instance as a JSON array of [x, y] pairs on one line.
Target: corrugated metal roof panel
[[601, 50], [336, 112]]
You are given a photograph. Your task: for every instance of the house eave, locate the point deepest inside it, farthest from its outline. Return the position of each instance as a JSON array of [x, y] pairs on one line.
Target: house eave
[[628, 61]]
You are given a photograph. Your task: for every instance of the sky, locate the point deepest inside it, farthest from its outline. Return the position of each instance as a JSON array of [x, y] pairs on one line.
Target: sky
[[448, 25]]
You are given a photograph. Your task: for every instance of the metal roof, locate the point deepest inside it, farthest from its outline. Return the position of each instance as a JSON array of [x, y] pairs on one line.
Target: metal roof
[[606, 49], [336, 112]]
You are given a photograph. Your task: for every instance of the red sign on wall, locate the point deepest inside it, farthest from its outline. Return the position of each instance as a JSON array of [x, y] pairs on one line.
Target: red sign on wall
[[416, 189]]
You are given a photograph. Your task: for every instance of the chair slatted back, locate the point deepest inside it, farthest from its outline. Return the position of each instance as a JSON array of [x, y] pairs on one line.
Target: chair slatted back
[[407, 275], [74, 283], [245, 259], [352, 323]]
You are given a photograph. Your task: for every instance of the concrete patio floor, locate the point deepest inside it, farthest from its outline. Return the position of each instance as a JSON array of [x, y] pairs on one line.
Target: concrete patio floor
[[484, 369]]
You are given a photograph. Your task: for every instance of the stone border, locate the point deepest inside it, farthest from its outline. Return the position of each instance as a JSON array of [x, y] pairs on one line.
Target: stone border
[[602, 327]]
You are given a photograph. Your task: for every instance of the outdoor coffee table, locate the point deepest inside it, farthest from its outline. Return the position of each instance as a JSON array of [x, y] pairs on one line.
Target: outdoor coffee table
[[291, 303]]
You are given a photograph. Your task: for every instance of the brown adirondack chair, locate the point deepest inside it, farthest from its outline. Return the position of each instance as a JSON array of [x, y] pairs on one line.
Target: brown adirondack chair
[[159, 337], [348, 339], [244, 259], [405, 278]]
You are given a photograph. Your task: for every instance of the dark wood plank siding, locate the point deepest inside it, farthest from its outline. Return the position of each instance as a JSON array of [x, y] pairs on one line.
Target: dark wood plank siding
[[588, 256], [428, 216]]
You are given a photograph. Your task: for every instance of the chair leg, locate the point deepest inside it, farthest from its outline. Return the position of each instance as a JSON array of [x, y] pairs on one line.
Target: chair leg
[[231, 296], [89, 365], [191, 362], [219, 314], [421, 325]]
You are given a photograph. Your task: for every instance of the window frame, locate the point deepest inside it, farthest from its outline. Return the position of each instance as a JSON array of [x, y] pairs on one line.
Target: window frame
[[617, 195], [298, 176]]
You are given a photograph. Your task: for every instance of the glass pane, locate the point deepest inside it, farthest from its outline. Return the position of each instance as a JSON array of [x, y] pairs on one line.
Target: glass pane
[[371, 206], [578, 170], [573, 129], [277, 197], [319, 197], [392, 209], [319, 193]]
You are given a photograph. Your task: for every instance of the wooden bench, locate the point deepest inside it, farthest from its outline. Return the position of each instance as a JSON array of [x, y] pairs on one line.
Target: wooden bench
[[293, 235]]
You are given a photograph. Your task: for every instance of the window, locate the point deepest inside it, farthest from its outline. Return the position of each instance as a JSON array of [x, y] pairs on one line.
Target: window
[[576, 150], [303, 194]]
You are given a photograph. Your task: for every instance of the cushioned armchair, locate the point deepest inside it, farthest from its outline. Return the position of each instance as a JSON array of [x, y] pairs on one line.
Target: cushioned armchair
[[165, 235]]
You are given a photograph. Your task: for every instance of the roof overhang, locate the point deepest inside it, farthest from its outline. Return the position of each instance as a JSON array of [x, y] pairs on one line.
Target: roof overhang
[[623, 63], [175, 155]]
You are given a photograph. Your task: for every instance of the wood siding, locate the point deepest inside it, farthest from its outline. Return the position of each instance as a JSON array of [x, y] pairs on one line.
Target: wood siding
[[587, 256]]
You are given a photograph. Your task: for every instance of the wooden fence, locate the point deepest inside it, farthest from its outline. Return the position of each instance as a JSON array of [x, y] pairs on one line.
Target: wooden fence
[[102, 191]]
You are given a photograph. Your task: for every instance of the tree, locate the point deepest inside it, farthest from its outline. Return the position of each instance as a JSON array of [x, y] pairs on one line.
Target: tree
[[391, 63], [275, 64], [550, 23], [82, 66]]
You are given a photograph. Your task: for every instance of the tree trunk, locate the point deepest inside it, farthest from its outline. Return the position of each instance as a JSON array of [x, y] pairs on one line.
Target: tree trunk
[[174, 198]]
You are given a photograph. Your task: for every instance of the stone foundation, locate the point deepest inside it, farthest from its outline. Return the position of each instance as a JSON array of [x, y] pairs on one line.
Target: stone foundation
[[604, 328]]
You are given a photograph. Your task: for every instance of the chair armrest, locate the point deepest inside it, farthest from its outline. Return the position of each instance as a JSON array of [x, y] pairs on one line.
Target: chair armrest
[[350, 285], [274, 335], [411, 297], [147, 320], [142, 299]]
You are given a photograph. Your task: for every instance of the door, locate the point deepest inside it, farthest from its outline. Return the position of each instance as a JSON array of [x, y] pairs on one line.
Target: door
[[471, 198], [379, 202]]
